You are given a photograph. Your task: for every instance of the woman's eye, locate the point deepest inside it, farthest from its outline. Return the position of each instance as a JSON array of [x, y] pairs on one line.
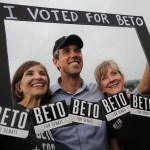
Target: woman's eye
[[114, 73], [29, 74], [103, 78], [43, 73]]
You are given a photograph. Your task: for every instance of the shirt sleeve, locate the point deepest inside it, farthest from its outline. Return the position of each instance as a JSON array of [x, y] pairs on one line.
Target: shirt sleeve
[[136, 92]]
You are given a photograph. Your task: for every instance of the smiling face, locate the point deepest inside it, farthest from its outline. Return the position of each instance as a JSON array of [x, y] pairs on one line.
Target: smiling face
[[70, 61], [109, 77], [112, 82], [34, 82]]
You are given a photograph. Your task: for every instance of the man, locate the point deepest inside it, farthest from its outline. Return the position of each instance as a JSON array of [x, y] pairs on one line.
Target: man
[[67, 57]]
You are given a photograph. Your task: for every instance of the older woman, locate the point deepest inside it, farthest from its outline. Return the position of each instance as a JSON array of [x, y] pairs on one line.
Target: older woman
[[133, 131], [30, 88]]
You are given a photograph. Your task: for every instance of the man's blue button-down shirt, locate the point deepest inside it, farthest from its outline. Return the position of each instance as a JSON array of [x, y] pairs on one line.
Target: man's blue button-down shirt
[[80, 136]]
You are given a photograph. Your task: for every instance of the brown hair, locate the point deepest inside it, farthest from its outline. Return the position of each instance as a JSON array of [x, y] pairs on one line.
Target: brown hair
[[102, 69], [18, 96]]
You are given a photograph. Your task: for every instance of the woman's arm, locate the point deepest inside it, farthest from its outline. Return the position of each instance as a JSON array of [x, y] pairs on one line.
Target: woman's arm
[[114, 145], [144, 84]]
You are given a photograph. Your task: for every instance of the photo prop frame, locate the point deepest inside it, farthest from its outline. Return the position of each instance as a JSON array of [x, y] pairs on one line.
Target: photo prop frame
[[62, 16]]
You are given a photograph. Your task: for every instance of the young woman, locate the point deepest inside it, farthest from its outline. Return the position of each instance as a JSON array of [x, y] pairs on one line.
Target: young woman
[[30, 88], [133, 131]]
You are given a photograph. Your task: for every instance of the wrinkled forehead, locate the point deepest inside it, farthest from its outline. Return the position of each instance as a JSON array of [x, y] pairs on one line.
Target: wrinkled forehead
[[36, 67], [104, 70]]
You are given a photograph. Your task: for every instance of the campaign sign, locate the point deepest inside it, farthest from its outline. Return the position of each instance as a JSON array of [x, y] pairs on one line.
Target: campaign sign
[[115, 105], [140, 105], [50, 116], [85, 112], [13, 122], [25, 13]]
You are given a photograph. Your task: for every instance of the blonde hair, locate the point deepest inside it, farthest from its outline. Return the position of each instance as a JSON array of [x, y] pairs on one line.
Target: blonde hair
[[102, 69]]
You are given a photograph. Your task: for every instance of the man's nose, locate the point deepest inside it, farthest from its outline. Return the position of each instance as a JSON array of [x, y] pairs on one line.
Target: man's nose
[[73, 54]]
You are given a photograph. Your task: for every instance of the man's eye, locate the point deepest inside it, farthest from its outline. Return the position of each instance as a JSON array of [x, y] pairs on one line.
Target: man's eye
[[78, 50], [65, 50]]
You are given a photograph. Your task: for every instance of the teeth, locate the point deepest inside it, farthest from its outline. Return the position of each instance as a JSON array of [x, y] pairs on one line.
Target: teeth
[[114, 85], [74, 63], [38, 84]]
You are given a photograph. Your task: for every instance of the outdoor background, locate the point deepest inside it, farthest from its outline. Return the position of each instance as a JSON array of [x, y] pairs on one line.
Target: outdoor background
[[35, 41]]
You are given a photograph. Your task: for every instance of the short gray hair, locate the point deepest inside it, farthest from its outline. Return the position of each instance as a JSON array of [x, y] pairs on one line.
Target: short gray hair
[[56, 54]]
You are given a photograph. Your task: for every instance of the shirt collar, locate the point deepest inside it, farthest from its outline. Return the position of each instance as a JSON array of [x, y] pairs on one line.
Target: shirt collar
[[56, 87]]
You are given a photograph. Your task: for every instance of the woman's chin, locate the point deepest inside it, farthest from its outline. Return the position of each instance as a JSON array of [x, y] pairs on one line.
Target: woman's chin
[[114, 91]]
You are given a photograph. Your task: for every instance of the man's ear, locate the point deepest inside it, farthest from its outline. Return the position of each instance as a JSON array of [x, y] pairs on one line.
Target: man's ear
[[56, 62]]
